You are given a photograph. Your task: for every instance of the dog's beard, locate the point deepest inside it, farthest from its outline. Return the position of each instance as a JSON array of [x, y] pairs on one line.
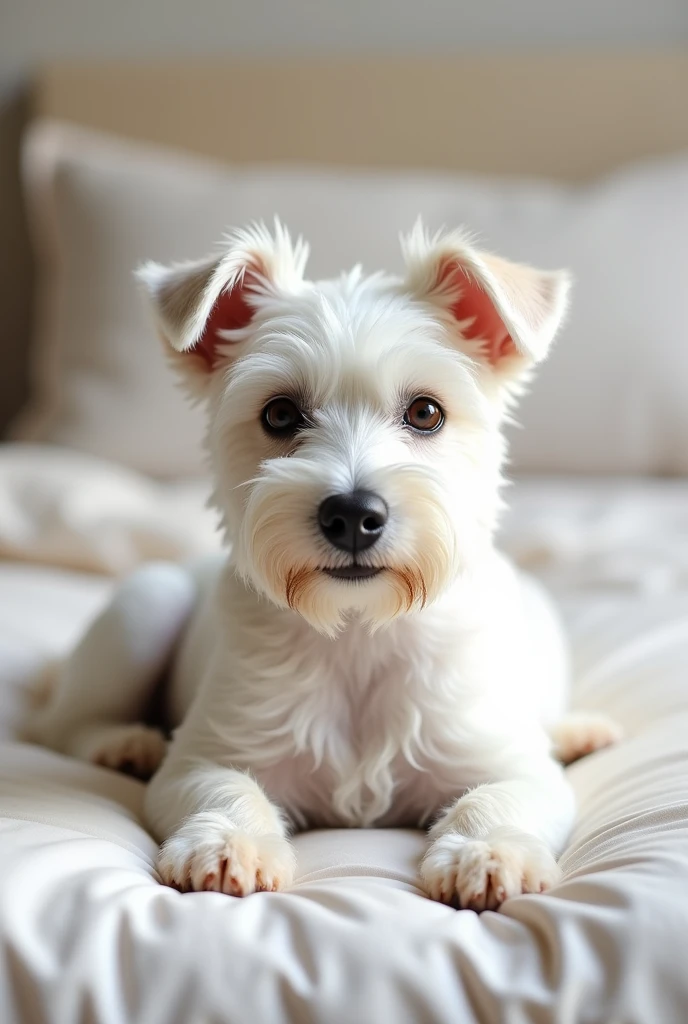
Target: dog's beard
[[282, 555], [325, 602]]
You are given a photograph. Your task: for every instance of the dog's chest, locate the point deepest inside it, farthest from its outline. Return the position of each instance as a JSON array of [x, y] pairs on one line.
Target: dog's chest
[[360, 738]]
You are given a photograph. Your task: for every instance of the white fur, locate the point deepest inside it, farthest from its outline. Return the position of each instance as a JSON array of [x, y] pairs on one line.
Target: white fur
[[417, 697]]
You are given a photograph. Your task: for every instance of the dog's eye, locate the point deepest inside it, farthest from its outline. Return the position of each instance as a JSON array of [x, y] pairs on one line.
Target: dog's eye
[[424, 414], [282, 416]]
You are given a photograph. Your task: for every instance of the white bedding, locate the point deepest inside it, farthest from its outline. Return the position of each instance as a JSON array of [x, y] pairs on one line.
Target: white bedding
[[88, 934]]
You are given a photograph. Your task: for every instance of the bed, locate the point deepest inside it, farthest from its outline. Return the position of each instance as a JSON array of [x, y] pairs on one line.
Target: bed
[[599, 511]]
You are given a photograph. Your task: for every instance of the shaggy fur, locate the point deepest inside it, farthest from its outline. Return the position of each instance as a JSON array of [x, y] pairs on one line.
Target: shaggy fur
[[419, 696]]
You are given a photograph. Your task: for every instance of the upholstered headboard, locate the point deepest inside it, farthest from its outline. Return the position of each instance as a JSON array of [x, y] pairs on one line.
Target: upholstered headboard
[[566, 115]]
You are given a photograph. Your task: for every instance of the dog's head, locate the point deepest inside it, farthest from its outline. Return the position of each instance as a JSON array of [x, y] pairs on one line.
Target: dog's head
[[354, 424]]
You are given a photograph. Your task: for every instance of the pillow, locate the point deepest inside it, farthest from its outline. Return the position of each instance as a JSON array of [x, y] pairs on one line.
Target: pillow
[[610, 399]]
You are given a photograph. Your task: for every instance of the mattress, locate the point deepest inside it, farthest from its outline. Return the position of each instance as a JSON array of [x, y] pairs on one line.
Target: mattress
[[88, 934]]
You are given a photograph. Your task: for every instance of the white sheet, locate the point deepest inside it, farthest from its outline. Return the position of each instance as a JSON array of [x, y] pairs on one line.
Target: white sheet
[[89, 934], [61, 507]]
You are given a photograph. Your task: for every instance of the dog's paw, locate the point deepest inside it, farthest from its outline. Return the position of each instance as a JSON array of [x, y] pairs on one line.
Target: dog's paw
[[479, 874], [226, 860], [134, 749], [583, 732]]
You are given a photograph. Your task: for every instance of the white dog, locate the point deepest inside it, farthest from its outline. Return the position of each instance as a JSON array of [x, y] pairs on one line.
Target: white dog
[[365, 656]]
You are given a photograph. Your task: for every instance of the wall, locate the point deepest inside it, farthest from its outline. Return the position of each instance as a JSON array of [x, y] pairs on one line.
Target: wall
[[36, 30]]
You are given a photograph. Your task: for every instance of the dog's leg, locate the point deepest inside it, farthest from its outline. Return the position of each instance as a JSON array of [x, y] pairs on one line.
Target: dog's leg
[[221, 832], [100, 695], [499, 839]]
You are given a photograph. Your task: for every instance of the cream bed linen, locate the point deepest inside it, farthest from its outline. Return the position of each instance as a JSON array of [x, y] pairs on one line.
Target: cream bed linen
[[89, 935]]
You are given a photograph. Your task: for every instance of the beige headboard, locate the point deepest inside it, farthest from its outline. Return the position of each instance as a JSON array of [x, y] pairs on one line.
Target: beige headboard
[[568, 115]]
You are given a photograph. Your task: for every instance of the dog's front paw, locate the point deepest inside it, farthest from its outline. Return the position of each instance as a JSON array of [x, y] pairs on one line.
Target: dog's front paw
[[479, 874], [223, 859], [134, 749]]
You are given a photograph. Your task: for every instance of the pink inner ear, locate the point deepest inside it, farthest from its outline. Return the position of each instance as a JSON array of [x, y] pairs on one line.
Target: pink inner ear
[[487, 323], [230, 312]]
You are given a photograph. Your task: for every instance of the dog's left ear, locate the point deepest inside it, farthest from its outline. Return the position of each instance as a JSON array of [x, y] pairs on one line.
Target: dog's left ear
[[205, 308], [509, 313]]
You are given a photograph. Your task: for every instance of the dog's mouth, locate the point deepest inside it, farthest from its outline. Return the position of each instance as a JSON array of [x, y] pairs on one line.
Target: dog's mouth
[[353, 572]]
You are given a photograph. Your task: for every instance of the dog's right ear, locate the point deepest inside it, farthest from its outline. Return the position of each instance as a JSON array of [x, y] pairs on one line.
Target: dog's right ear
[[205, 309]]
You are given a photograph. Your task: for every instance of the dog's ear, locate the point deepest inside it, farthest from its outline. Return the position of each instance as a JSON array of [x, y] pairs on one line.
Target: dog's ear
[[204, 309], [509, 313]]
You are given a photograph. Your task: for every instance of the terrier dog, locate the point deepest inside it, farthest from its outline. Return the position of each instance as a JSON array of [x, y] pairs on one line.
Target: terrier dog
[[364, 656]]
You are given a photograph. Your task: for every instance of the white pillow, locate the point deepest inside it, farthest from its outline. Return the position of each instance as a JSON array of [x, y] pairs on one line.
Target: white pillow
[[611, 398]]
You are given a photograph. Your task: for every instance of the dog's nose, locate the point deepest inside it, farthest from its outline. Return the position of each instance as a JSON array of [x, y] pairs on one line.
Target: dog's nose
[[353, 522]]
